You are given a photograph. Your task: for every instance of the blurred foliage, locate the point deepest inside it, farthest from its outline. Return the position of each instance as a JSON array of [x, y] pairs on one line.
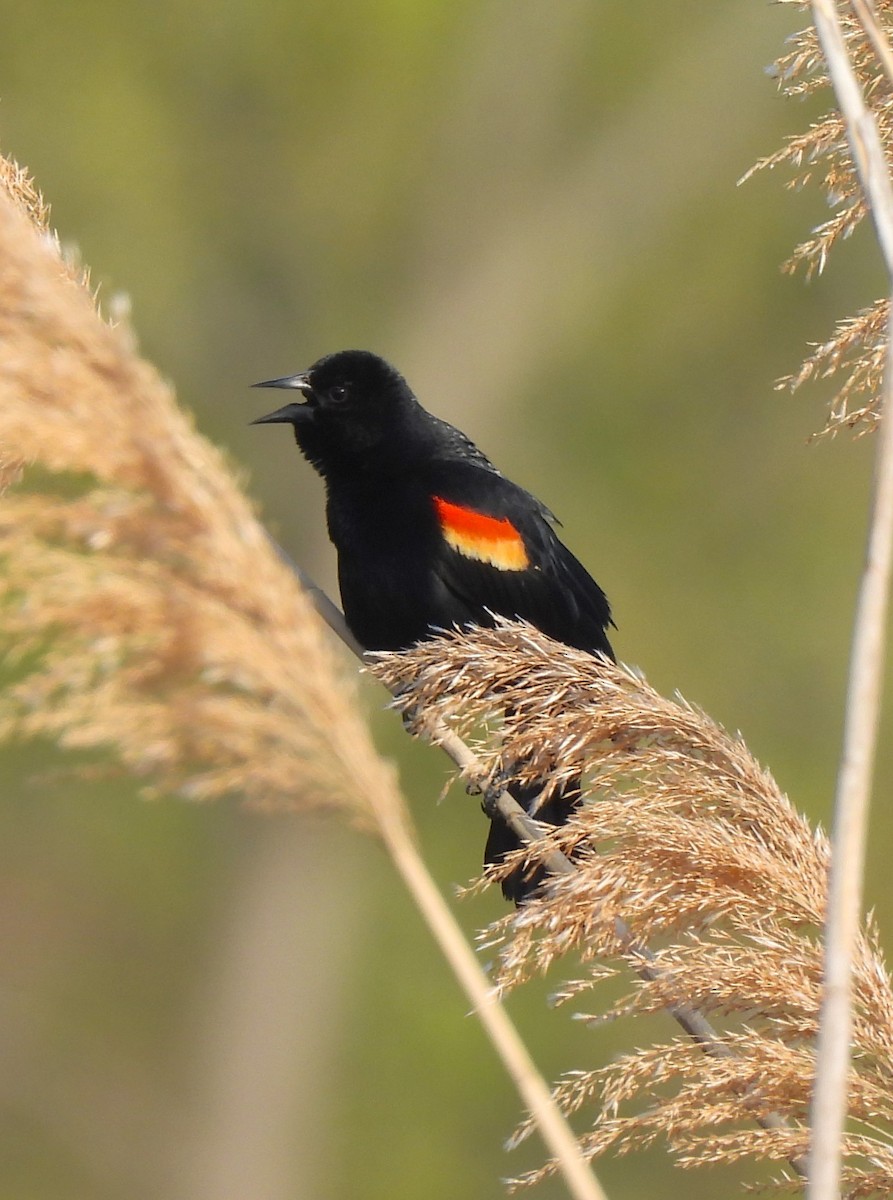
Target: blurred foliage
[[532, 210]]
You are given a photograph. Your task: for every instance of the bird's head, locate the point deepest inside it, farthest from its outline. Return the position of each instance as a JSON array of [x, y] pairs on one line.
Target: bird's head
[[350, 403]]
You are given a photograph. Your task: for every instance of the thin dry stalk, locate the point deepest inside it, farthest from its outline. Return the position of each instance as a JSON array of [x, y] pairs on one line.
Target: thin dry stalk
[[148, 617], [829, 1104], [860, 123], [546, 1114], [691, 843], [854, 783]]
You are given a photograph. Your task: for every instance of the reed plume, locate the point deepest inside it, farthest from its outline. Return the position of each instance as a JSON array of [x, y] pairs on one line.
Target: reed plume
[[144, 611], [689, 841], [820, 157]]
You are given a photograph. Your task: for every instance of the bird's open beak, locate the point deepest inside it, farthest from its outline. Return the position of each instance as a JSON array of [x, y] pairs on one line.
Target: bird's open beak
[[290, 414]]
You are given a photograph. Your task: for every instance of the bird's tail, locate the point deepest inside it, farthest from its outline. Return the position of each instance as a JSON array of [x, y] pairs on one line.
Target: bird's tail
[[521, 884]]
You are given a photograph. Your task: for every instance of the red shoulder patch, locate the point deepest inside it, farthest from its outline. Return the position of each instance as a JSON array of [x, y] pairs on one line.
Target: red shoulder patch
[[492, 540]]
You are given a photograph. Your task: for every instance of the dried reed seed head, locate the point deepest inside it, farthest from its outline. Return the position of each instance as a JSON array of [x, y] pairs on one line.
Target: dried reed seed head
[[684, 843], [24, 193], [821, 157], [155, 615], [859, 349]]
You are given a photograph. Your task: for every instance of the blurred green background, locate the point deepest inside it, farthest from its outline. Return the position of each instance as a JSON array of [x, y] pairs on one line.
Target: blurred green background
[[532, 210]]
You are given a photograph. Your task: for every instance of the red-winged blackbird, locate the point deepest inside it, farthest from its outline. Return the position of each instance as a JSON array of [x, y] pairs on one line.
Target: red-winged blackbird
[[431, 536]]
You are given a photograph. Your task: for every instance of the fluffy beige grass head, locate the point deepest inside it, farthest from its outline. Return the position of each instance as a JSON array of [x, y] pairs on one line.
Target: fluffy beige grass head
[[821, 158], [143, 608], [687, 843]]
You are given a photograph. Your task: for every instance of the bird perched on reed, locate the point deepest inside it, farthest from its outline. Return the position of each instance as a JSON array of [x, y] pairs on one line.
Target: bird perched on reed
[[431, 536]]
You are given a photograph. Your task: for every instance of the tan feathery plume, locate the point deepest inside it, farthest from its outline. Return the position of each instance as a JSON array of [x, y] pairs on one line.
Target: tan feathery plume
[[690, 842], [23, 192], [858, 348], [821, 157], [144, 607]]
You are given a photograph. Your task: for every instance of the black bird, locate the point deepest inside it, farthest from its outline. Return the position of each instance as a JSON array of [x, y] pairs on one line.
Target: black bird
[[431, 536]]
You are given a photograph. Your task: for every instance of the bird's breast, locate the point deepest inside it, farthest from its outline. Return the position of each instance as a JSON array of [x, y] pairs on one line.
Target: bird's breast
[[387, 541]]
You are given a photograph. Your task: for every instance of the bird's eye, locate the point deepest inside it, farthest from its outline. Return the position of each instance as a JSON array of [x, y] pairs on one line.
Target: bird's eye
[[338, 392]]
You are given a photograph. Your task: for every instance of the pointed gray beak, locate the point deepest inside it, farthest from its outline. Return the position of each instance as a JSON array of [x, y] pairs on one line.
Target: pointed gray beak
[[300, 383], [290, 414]]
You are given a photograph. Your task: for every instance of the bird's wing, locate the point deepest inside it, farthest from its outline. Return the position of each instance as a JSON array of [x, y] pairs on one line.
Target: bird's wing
[[499, 553]]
